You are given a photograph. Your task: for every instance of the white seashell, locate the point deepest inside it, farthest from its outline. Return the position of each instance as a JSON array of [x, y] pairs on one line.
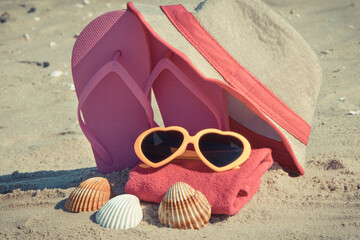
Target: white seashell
[[184, 207], [354, 112], [56, 73], [120, 212], [52, 44]]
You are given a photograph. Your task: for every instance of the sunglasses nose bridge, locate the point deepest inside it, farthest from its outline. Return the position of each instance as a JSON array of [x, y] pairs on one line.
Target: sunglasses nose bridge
[[191, 139]]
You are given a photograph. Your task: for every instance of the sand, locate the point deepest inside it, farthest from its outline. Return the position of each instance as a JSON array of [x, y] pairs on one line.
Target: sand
[[44, 155]]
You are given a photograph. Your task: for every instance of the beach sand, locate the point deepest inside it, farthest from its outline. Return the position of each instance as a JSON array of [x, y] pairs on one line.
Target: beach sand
[[44, 155]]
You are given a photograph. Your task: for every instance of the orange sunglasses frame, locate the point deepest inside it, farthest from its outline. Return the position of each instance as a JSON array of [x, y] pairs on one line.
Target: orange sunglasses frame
[[182, 153]]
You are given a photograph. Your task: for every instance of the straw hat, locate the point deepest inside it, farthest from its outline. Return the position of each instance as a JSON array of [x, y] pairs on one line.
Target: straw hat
[[271, 75]]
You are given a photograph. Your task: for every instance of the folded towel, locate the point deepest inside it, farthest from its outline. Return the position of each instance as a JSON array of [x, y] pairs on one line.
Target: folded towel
[[227, 192]]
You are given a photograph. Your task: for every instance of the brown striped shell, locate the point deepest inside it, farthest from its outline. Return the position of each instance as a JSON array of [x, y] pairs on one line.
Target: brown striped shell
[[91, 195], [184, 207]]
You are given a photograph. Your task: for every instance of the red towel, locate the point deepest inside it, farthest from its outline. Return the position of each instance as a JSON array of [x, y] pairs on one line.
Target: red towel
[[227, 192]]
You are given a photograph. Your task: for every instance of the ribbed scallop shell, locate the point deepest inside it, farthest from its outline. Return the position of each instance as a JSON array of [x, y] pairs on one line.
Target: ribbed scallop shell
[[184, 207], [91, 195], [121, 212]]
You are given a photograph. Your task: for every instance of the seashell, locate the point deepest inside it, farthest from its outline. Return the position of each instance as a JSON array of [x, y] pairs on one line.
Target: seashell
[[91, 195], [52, 44], [184, 207], [56, 73], [121, 212]]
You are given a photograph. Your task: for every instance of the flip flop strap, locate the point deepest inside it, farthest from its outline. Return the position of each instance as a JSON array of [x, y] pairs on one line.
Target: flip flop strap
[[116, 67], [167, 64]]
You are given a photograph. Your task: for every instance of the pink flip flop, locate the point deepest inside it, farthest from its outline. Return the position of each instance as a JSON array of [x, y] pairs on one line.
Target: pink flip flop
[[184, 95], [111, 67], [184, 99]]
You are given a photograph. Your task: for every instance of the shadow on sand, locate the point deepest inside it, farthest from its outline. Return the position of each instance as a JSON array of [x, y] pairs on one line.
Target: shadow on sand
[[58, 179]]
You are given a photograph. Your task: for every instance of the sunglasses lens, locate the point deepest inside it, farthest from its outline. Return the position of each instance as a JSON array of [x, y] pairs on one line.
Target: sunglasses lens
[[220, 150], [159, 145]]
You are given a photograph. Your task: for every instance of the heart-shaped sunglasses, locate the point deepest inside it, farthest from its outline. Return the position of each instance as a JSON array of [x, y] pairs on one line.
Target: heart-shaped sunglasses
[[219, 150]]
